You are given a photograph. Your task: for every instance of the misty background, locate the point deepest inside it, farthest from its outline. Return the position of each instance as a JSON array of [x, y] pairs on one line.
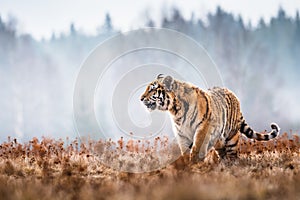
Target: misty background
[[261, 64]]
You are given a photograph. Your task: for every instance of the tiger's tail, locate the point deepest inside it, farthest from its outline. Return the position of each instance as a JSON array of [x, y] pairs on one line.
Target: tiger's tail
[[250, 133]]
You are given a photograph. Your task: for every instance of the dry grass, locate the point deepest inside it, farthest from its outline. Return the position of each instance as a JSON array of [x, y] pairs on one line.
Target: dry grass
[[54, 169]]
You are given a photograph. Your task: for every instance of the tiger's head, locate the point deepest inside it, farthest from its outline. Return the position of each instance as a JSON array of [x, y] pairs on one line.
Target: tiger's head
[[158, 94]]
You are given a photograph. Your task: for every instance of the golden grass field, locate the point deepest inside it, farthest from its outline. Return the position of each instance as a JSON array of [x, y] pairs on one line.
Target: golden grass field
[[57, 169]]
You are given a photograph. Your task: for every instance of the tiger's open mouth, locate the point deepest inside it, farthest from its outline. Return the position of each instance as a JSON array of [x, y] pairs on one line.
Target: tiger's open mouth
[[150, 105]]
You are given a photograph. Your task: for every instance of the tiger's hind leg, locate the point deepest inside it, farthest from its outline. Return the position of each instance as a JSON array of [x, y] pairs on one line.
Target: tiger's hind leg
[[232, 146], [221, 152]]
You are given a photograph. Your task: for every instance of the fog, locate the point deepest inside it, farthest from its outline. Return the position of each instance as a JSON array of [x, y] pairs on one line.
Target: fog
[[260, 64]]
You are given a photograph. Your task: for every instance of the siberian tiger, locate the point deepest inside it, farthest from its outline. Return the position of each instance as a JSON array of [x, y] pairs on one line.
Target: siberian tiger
[[202, 120]]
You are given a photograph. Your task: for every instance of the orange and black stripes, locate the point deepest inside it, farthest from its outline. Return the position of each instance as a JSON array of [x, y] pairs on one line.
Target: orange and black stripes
[[250, 133], [202, 119]]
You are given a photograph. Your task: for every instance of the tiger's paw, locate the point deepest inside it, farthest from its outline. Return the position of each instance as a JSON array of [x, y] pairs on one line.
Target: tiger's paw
[[212, 157], [196, 157], [182, 162]]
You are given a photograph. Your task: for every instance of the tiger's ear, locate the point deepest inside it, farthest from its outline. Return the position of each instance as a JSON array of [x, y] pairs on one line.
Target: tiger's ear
[[167, 82], [159, 76]]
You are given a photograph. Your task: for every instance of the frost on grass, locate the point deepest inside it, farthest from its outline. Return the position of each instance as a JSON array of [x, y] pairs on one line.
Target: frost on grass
[[64, 169], [136, 155]]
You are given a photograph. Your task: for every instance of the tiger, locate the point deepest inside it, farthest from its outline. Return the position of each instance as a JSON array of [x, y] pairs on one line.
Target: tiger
[[202, 120]]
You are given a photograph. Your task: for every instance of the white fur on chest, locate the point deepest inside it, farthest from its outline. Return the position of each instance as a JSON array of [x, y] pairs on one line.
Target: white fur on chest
[[183, 130]]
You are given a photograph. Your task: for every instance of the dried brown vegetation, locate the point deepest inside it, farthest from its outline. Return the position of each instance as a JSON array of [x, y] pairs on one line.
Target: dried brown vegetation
[[57, 169]]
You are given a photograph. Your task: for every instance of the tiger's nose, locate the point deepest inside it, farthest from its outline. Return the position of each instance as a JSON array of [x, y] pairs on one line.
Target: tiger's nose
[[142, 98]]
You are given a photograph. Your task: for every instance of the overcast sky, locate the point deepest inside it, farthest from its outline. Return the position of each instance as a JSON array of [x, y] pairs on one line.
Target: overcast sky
[[42, 17]]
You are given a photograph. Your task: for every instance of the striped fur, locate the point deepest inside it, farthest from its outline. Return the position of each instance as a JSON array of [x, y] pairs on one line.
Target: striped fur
[[202, 119]]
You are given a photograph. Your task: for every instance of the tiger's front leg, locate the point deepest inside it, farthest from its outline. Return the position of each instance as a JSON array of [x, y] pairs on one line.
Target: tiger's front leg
[[200, 144], [184, 143]]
